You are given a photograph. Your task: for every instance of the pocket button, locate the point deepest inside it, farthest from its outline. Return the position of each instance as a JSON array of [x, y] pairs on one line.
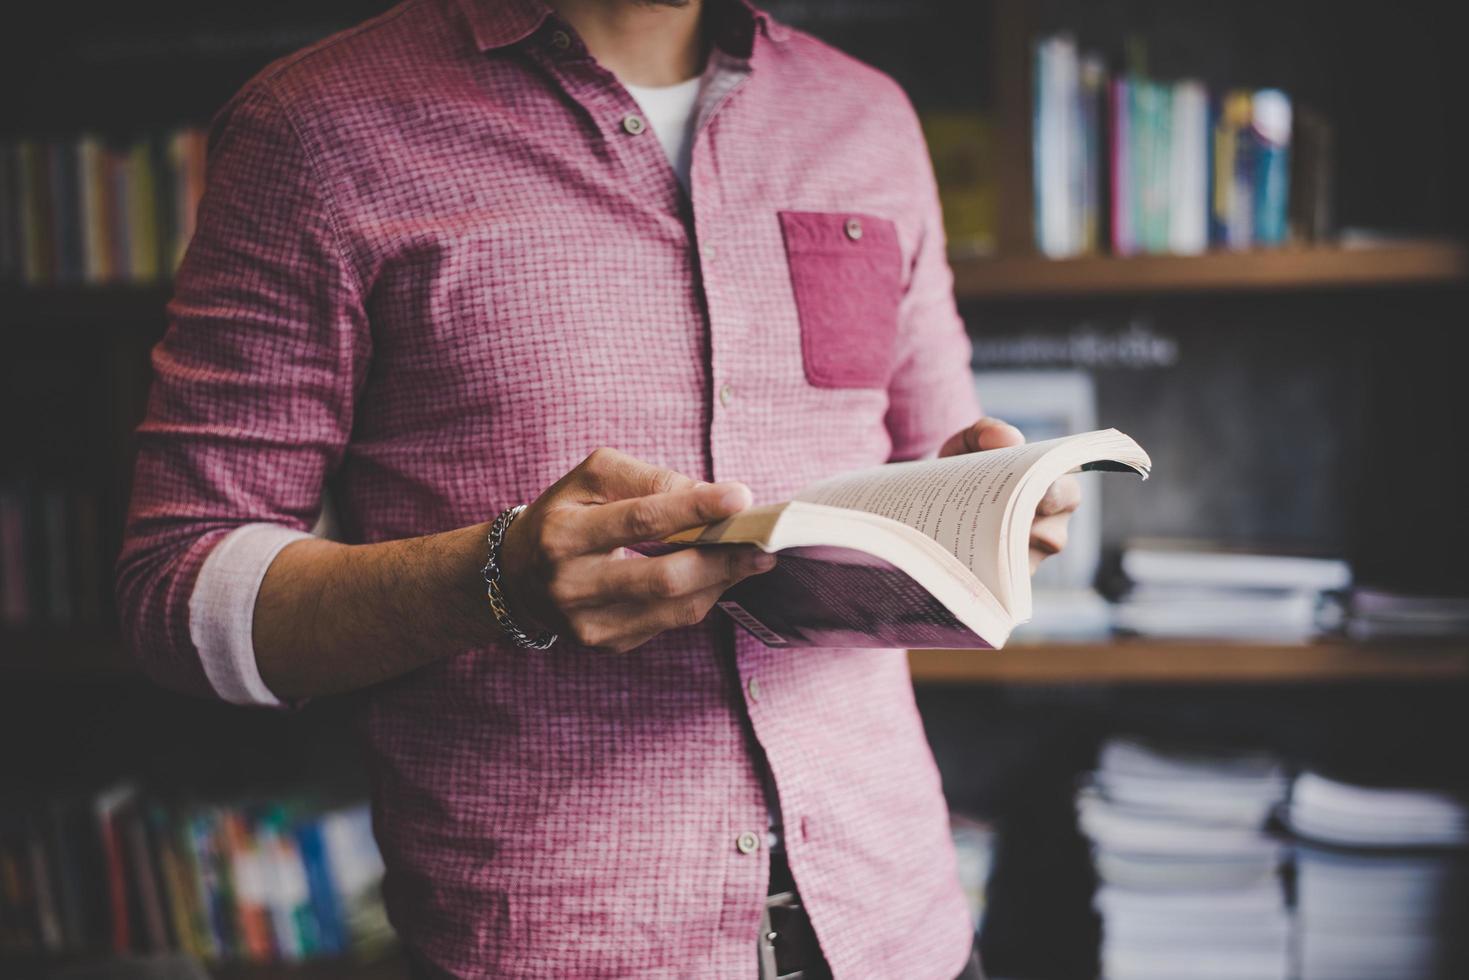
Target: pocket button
[[854, 229]]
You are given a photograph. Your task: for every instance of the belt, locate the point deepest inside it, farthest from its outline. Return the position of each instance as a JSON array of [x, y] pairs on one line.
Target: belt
[[788, 947]]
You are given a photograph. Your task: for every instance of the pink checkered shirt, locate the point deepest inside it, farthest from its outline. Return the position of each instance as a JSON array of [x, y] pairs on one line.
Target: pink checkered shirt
[[436, 265]]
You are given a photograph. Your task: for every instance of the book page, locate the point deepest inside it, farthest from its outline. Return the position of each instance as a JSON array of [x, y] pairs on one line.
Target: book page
[[960, 502]]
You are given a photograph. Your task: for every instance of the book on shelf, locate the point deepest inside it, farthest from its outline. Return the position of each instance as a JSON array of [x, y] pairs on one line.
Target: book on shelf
[[1183, 169], [1188, 871], [1188, 591], [1066, 132], [932, 553], [962, 146], [1382, 879], [120, 873], [1380, 614], [50, 556], [89, 211]]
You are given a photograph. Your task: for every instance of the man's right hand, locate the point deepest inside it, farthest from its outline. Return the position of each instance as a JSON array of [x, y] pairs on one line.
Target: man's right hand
[[565, 566]]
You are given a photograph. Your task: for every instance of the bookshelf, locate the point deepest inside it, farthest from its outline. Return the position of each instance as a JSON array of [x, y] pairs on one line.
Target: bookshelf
[[92, 344], [1154, 662], [1401, 265]]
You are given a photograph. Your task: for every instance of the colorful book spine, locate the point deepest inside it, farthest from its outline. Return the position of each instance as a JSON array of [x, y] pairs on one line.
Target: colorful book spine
[[1271, 131]]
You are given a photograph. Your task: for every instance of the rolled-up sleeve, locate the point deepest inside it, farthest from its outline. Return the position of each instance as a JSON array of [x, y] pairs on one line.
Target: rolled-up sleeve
[[253, 390], [931, 394]]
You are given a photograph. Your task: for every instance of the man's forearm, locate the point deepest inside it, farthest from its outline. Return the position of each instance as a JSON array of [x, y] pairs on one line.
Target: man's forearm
[[332, 617]]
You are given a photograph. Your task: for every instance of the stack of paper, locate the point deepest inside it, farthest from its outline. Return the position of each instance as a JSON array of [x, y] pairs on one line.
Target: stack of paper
[[1200, 594], [1380, 615], [1190, 880], [1382, 881]]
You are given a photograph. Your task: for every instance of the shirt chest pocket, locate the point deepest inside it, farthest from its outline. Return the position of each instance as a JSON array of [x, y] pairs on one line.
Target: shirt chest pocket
[[846, 273]]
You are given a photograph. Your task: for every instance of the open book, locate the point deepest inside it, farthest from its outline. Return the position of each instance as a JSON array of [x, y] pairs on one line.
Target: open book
[[934, 553]]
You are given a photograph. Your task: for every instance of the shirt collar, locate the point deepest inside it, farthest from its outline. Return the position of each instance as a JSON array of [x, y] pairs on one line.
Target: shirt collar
[[500, 23]]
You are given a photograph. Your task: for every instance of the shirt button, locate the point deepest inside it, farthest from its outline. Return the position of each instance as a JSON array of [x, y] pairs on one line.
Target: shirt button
[[726, 395], [754, 688], [709, 253], [747, 843], [853, 229], [560, 40], [633, 123]]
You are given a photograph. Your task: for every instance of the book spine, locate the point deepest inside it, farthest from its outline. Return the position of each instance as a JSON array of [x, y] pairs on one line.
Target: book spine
[[142, 214], [66, 211], [117, 889], [35, 214], [48, 913], [153, 931], [324, 904], [248, 876], [1120, 141], [15, 598], [10, 258], [1093, 93], [1188, 204], [90, 179], [59, 607], [1271, 131], [121, 169]]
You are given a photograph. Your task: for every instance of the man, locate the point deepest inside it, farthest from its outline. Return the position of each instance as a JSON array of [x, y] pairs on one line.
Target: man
[[441, 258]]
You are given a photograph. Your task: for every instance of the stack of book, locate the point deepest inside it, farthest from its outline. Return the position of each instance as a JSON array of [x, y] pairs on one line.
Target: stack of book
[[1189, 877], [1382, 881], [51, 557], [1377, 614], [87, 211], [267, 881], [1150, 166], [1201, 594]]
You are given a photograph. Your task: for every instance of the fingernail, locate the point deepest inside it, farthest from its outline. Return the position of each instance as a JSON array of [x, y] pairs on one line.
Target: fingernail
[[761, 561], [734, 496]]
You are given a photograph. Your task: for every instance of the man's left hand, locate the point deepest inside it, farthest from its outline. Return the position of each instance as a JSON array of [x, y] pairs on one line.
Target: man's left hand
[[1048, 532]]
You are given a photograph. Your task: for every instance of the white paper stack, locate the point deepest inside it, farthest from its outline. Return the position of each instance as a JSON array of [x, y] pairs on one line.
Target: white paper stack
[[1382, 881], [1208, 595], [1190, 879]]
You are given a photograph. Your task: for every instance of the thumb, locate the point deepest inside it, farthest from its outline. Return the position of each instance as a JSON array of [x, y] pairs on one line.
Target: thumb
[[987, 433], [608, 474]]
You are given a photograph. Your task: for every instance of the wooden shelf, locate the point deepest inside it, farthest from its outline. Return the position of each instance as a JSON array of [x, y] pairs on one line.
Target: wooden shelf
[[1405, 264], [1151, 662], [86, 656]]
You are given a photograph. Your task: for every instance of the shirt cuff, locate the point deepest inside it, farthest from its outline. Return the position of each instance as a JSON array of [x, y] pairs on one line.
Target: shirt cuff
[[222, 610]]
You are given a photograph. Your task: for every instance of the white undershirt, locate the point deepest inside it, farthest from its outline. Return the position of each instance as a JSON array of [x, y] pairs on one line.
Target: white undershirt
[[669, 109]]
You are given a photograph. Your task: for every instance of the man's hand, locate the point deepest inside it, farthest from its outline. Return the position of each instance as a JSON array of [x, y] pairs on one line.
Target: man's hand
[[566, 567], [1048, 533]]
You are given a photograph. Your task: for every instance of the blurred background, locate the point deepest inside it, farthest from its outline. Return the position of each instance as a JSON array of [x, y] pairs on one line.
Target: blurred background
[[1233, 743]]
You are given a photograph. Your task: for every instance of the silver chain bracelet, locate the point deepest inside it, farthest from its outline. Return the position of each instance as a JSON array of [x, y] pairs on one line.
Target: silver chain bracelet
[[491, 572]]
